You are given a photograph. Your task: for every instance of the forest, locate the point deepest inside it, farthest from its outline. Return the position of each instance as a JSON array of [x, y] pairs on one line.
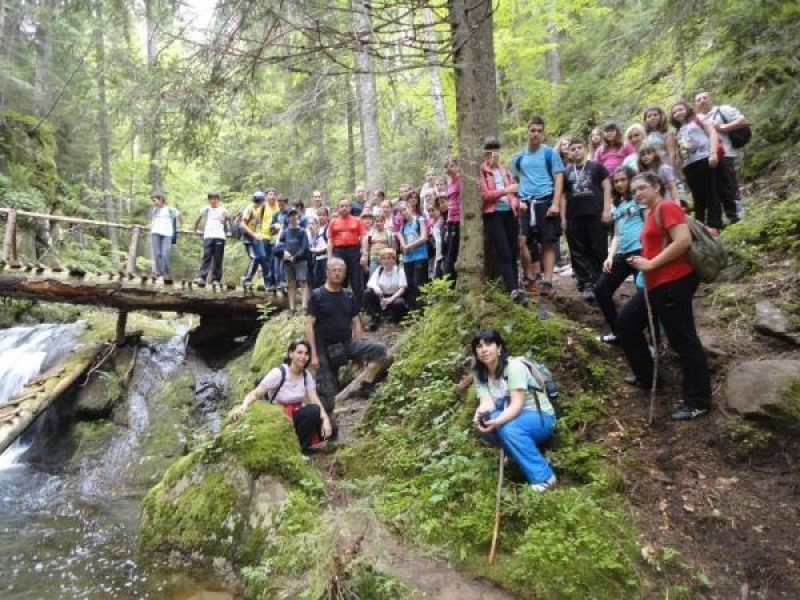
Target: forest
[[103, 102]]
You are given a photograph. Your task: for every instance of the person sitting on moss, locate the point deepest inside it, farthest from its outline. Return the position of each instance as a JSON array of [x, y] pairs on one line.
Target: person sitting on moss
[[292, 387], [507, 410]]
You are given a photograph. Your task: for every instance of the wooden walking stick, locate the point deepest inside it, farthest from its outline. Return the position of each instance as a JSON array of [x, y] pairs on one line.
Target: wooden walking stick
[[496, 529], [652, 326]]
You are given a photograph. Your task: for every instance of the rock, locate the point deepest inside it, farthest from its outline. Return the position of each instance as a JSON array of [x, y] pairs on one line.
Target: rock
[[97, 399], [220, 502], [771, 321], [753, 387]]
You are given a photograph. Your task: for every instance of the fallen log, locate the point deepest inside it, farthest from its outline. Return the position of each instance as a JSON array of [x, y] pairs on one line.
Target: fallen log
[[22, 410], [352, 388]]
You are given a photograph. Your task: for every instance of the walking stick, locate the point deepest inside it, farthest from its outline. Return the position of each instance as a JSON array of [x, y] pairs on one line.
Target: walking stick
[[496, 529], [652, 327]]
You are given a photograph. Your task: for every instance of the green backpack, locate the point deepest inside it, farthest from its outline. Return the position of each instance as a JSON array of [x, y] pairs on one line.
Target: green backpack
[[707, 254]]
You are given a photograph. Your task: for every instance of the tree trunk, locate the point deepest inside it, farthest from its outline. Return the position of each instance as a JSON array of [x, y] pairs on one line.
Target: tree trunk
[[439, 114], [368, 98], [553, 61], [151, 26], [351, 143], [44, 57], [103, 134], [476, 117]]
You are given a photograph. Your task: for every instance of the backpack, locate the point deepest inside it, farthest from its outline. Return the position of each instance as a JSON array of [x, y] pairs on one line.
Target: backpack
[[236, 223], [739, 137], [548, 161], [544, 381], [284, 370], [707, 254]]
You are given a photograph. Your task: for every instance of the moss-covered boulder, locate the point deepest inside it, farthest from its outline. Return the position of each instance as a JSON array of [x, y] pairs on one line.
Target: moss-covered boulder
[[222, 500]]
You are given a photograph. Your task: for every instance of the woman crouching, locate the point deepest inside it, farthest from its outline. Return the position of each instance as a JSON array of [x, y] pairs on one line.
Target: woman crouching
[[507, 408], [292, 387]]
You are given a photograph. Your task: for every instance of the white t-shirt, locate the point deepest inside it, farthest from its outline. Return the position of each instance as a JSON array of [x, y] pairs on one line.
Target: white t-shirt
[[716, 116], [388, 281], [161, 220], [293, 389], [214, 228]]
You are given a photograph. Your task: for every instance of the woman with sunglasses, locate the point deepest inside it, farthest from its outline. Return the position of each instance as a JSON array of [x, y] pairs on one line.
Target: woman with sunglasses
[[628, 221], [291, 386]]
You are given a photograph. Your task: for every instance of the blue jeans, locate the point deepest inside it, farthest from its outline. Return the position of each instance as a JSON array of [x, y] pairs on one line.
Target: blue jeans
[[260, 251], [520, 436], [162, 250]]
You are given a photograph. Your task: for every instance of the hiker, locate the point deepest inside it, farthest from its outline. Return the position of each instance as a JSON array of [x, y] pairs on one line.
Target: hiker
[[614, 149], [628, 221], [318, 237], [507, 408], [453, 221], [412, 239], [216, 217], [385, 291], [586, 212], [333, 328], [296, 254], [697, 144], [670, 283], [252, 235], [658, 135], [725, 119], [347, 240], [500, 205], [293, 388], [540, 173], [164, 221]]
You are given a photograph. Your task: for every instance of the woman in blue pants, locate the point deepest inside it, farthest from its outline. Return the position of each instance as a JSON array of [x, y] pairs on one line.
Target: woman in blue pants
[[507, 407]]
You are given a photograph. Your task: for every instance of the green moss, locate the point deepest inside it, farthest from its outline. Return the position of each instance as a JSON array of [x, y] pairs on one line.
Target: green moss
[[102, 325], [273, 339], [785, 416], [29, 147], [438, 480]]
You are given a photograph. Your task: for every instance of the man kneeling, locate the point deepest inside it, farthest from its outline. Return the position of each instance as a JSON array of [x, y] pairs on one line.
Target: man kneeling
[[385, 292]]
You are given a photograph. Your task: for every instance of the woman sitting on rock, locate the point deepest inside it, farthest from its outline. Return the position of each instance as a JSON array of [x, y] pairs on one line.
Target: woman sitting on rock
[[292, 386], [507, 408]]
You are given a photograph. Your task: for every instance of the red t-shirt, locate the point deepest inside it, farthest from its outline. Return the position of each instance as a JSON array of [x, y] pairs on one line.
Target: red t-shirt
[[655, 238], [346, 231]]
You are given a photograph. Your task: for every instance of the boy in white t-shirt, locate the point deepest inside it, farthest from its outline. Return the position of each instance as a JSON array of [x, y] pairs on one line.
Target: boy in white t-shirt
[[216, 217]]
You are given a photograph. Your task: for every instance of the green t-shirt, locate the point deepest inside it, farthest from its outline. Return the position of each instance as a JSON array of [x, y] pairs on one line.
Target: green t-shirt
[[518, 378]]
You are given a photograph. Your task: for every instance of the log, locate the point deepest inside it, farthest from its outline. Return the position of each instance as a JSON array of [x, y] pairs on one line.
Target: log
[[14, 423], [353, 386]]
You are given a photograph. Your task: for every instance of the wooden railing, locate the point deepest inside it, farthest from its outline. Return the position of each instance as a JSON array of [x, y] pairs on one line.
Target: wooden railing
[[10, 240]]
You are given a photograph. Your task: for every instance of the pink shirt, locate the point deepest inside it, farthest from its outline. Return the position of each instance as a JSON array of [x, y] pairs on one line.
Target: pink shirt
[[611, 158], [454, 201]]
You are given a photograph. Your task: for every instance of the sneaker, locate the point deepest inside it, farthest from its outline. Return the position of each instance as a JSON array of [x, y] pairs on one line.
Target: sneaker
[[531, 285], [608, 338], [517, 296], [199, 281], [587, 294], [546, 289], [246, 280], [541, 487], [366, 390], [687, 413]]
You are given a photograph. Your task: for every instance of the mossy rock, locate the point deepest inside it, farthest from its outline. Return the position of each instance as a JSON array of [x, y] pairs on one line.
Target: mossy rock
[[273, 340], [220, 500]]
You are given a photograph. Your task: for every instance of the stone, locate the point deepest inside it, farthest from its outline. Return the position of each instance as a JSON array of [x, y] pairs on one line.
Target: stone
[[771, 321], [753, 387]]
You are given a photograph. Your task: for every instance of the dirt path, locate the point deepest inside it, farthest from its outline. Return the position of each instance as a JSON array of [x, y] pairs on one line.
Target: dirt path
[[713, 519], [432, 578]]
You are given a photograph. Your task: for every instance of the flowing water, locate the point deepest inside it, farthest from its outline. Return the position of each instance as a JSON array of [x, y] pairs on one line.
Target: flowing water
[[67, 524]]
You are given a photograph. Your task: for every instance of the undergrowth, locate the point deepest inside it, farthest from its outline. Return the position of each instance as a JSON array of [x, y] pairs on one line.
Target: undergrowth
[[439, 481]]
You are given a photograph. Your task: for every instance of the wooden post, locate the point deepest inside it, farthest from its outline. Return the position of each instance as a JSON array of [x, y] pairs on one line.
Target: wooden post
[[122, 321], [10, 241], [130, 267]]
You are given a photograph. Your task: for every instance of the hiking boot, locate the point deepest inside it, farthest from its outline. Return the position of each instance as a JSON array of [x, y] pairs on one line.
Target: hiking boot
[[544, 485], [608, 338], [546, 289], [687, 413], [366, 389], [517, 296]]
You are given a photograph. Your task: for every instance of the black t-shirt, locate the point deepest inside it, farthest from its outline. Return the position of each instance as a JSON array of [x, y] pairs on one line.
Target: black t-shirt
[[584, 189], [334, 312]]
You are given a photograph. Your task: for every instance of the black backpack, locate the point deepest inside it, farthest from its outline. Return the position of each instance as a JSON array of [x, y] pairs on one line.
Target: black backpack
[[739, 137], [284, 370]]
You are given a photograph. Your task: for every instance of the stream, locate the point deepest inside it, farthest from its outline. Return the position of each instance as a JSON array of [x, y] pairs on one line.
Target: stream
[[68, 522]]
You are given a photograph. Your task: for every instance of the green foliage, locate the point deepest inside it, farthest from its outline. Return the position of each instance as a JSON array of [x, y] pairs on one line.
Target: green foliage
[[439, 480], [772, 224], [785, 415], [30, 153]]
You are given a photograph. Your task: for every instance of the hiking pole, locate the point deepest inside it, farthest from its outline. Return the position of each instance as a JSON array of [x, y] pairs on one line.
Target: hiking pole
[[652, 327], [496, 529]]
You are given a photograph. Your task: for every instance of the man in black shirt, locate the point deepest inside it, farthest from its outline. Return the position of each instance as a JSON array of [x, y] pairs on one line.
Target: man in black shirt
[[588, 191], [333, 328]]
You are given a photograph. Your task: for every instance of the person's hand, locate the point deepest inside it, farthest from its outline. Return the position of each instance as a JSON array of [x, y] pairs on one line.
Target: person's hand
[[327, 428], [553, 211], [237, 412], [363, 260], [287, 255], [640, 264], [607, 216], [314, 363], [512, 189], [257, 237], [713, 160], [523, 207], [607, 263], [564, 225], [487, 426]]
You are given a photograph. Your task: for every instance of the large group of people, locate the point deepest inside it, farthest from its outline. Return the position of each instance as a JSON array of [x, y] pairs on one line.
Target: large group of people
[[618, 200]]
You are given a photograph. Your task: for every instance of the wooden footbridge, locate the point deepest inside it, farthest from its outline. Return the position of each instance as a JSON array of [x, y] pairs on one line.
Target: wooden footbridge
[[223, 307]]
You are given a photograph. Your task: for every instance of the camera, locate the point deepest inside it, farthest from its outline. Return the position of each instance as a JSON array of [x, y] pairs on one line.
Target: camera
[[483, 416]]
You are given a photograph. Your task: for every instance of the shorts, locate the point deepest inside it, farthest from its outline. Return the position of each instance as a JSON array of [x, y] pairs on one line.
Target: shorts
[[548, 229], [296, 271]]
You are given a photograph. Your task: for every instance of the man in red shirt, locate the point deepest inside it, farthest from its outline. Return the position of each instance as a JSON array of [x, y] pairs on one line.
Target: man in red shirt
[[347, 239]]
